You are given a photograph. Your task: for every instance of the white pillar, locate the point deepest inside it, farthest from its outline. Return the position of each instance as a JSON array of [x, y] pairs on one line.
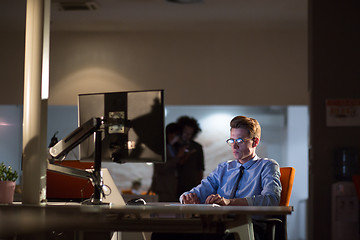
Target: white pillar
[[34, 114]]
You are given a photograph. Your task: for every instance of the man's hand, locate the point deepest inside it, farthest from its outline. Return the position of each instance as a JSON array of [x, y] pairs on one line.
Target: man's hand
[[184, 154], [190, 198], [217, 199]]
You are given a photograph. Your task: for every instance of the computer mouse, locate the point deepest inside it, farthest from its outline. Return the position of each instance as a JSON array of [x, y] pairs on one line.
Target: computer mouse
[[136, 201]]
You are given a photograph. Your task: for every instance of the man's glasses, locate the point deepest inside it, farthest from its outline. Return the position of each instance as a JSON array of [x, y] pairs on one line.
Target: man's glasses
[[231, 141]]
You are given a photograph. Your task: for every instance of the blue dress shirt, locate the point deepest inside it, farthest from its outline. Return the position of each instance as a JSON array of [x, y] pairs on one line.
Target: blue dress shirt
[[260, 184]]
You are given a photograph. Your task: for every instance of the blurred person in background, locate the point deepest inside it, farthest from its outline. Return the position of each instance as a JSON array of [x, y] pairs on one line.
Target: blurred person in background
[[191, 165], [165, 176], [135, 186]]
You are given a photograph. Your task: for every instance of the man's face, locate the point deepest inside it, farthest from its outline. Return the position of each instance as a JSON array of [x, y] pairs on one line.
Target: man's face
[[243, 151], [172, 138], [188, 133]]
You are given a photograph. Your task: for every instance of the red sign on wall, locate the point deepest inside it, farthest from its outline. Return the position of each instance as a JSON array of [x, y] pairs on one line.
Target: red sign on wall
[[343, 112]]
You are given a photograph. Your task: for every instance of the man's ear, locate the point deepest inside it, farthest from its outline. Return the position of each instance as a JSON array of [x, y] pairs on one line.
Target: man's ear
[[256, 142]]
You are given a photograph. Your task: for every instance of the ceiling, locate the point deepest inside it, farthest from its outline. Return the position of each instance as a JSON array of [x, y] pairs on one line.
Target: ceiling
[[159, 15]]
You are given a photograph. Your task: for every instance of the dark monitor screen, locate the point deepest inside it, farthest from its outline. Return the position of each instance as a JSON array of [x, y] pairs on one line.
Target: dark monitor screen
[[133, 129]]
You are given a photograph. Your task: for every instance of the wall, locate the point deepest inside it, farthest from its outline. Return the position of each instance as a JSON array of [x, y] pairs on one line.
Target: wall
[[297, 157], [12, 48], [11, 137], [208, 66], [265, 66]]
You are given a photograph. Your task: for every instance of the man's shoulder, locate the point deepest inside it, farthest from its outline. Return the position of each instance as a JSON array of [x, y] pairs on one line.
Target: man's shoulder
[[267, 161]]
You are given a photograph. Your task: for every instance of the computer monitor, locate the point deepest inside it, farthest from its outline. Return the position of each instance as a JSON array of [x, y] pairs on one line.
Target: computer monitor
[[133, 129]]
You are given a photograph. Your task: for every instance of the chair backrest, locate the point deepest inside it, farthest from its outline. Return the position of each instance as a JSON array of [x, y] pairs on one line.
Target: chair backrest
[[61, 186], [287, 180]]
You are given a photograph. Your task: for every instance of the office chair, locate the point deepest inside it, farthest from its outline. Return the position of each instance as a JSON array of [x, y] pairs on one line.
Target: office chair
[[276, 228], [61, 187], [287, 181]]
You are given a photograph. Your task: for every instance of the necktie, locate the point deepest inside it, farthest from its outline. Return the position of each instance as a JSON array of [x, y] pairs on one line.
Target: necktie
[[241, 172]]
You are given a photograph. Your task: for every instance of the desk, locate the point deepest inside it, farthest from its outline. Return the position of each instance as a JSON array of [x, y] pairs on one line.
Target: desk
[[18, 219]]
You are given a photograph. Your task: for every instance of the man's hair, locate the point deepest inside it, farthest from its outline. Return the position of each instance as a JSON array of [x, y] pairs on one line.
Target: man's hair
[[190, 122], [250, 124]]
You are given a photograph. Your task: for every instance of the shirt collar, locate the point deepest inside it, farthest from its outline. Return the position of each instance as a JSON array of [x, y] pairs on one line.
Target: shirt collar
[[237, 164], [249, 163]]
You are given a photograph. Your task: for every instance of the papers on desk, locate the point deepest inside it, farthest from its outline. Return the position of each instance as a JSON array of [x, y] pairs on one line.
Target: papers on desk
[[197, 205]]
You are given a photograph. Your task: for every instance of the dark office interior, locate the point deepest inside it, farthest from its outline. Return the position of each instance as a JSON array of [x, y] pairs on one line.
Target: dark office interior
[[208, 53]]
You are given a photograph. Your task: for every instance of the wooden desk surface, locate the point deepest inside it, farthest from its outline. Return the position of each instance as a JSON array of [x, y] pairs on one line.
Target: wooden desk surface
[[26, 219]]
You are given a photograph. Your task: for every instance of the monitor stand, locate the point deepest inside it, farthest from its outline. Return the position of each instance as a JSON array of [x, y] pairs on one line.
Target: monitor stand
[[97, 199]]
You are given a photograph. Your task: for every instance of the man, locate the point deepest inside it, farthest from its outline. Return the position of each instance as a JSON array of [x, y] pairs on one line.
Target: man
[[191, 164], [259, 184]]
